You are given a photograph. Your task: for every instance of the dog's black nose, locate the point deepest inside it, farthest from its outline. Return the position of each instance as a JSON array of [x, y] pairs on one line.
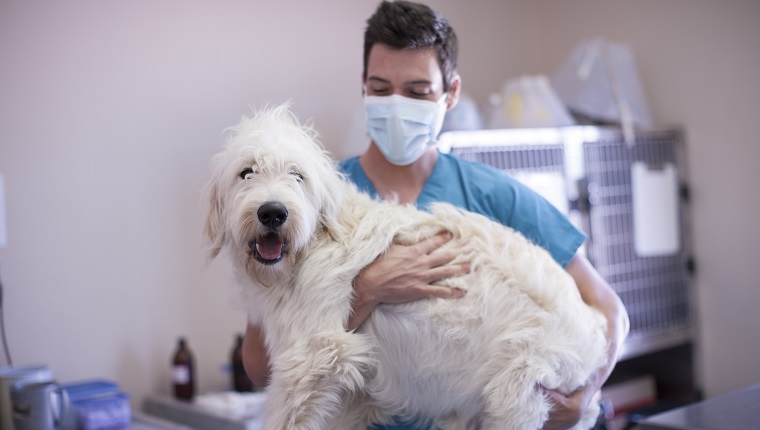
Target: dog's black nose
[[272, 214]]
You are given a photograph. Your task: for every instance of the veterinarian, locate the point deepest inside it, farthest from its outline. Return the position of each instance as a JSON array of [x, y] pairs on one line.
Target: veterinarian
[[410, 67]]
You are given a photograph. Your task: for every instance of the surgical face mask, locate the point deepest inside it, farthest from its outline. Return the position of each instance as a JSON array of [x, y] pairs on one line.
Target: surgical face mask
[[403, 128]]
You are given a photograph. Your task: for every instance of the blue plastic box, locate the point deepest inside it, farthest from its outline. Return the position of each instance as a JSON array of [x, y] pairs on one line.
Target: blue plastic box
[[104, 413], [97, 405], [89, 389]]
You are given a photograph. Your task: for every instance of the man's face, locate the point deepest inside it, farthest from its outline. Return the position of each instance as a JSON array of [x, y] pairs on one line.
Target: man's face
[[412, 73]]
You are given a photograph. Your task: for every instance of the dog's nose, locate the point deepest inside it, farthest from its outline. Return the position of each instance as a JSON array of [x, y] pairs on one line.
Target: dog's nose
[[272, 214]]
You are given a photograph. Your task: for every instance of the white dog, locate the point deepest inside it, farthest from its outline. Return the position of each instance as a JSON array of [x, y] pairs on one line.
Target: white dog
[[299, 233]]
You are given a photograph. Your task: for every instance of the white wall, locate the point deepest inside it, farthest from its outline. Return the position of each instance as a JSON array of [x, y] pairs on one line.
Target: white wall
[[110, 111]]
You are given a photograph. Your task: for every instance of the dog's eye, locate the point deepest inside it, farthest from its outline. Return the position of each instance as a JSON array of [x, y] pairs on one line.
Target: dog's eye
[[297, 174], [246, 173]]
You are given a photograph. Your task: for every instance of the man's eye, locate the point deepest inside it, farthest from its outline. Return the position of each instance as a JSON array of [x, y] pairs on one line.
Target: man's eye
[[246, 173], [419, 92]]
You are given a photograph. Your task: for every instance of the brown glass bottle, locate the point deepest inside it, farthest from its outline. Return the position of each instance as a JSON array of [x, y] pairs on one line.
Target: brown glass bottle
[[240, 381], [183, 372]]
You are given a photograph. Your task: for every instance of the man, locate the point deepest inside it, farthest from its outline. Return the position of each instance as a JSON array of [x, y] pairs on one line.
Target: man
[[409, 81]]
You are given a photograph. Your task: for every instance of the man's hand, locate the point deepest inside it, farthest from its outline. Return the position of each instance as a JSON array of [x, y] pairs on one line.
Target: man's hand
[[568, 410], [406, 273]]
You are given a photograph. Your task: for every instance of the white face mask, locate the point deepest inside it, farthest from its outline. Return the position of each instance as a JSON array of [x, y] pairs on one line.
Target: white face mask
[[403, 128]]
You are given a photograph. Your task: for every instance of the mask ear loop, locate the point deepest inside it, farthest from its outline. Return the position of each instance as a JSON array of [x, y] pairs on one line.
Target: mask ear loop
[[444, 102], [446, 99]]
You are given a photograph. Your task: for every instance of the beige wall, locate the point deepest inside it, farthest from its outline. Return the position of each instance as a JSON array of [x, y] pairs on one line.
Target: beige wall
[[109, 112]]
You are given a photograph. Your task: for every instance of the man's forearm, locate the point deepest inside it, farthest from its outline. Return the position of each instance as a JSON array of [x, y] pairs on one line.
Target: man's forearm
[[598, 294], [255, 356]]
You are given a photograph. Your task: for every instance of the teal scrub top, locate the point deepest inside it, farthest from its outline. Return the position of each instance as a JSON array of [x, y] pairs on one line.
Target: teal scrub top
[[490, 192]]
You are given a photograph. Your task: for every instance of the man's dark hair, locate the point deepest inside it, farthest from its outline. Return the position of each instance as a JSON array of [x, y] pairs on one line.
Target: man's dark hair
[[402, 24]]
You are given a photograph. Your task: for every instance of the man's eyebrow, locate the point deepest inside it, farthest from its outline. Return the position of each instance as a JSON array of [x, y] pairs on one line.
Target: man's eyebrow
[[406, 84], [377, 79], [418, 82]]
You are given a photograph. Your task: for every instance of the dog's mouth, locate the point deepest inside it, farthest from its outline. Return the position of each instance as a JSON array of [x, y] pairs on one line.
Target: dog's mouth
[[268, 249]]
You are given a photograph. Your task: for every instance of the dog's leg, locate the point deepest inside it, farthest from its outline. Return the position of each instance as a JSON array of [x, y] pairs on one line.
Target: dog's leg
[[360, 413], [506, 414], [455, 422], [519, 403], [588, 420], [313, 379], [513, 398]]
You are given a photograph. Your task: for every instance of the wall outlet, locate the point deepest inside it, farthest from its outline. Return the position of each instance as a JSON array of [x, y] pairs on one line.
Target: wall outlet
[[3, 224]]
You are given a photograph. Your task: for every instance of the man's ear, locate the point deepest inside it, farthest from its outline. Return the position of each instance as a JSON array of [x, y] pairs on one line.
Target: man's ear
[[455, 90]]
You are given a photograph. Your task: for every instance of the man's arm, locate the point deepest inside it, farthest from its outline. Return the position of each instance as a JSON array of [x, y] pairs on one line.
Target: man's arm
[[255, 357], [598, 294]]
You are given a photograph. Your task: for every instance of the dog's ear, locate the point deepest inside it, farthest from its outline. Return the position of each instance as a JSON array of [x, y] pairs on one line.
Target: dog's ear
[[214, 227], [332, 197], [330, 191]]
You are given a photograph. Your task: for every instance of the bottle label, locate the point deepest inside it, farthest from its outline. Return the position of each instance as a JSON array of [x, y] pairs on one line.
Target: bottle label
[[181, 374]]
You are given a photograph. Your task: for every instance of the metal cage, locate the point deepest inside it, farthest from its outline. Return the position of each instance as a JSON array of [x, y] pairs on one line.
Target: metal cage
[[596, 166]]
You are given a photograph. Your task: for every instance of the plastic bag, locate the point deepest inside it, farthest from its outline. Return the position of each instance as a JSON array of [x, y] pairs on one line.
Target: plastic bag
[[464, 116], [599, 80], [528, 101]]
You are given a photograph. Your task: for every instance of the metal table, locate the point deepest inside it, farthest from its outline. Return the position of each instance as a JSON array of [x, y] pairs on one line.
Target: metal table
[[735, 411]]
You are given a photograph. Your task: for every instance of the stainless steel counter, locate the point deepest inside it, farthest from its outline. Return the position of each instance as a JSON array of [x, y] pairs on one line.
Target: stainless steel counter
[[735, 411]]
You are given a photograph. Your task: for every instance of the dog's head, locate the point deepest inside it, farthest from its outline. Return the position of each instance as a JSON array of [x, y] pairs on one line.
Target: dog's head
[[272, 187]]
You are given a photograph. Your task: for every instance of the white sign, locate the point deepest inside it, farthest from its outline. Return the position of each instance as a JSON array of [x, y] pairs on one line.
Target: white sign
[[655, 210]]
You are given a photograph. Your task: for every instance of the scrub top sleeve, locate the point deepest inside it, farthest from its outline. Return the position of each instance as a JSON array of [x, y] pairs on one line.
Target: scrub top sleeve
[[545, 226]]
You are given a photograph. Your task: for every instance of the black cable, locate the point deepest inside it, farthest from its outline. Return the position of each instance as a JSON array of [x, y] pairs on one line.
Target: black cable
[[2, 329]]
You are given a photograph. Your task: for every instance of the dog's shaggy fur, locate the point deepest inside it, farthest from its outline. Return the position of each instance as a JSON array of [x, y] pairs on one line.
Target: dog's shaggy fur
[[299, 233]]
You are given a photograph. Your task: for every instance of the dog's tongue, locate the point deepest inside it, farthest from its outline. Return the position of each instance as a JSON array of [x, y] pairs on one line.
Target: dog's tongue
[[269, 247]]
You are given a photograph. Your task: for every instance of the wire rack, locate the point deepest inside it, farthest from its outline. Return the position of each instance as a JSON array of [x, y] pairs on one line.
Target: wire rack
[[517, 158], [655, 290]]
